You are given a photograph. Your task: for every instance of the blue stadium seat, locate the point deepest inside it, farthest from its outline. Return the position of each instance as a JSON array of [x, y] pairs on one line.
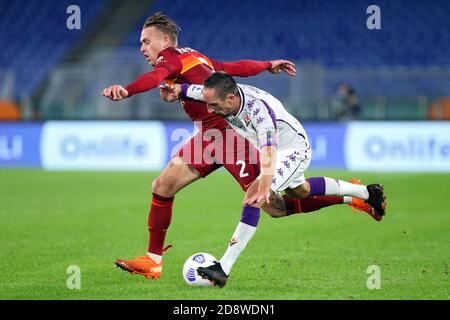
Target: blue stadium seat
[[333, 32], [34, 37]]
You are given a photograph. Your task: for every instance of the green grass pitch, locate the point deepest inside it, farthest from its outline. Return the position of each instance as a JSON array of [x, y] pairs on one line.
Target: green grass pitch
[[52, 220]]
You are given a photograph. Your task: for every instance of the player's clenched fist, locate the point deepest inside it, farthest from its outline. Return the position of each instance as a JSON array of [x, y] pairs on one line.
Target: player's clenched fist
[[115, 92]]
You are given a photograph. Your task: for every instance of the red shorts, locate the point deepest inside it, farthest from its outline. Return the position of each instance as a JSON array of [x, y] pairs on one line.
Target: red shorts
[[208, 151]]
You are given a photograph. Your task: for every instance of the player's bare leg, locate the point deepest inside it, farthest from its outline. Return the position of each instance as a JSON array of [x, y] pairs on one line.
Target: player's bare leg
[[174, 177]]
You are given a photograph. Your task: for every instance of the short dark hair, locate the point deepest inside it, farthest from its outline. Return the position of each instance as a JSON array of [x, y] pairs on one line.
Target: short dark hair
[[164, 24], [223, 83]]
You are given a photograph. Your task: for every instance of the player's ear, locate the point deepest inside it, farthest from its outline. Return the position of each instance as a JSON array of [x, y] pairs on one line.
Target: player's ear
[[230, 97], [166, 40]]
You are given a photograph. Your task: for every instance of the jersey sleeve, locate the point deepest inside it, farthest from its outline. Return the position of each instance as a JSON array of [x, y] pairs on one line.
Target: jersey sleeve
[[242, 68], [192, 91], [217, 65], [167, 66], [264, 121], [147, 81]]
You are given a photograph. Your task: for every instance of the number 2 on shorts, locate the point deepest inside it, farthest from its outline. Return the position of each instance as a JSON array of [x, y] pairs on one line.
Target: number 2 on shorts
[[241, 163]]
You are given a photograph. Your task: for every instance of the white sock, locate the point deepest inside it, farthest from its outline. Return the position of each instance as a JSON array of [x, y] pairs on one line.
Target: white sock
[[334, 187], [347, 199], [242, 235], [155, 257]]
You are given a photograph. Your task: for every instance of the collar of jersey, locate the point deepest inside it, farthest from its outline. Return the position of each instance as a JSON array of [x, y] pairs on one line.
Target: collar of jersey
[[241, 94]]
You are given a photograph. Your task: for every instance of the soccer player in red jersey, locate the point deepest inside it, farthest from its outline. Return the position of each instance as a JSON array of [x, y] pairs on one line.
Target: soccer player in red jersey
[[172, 64]]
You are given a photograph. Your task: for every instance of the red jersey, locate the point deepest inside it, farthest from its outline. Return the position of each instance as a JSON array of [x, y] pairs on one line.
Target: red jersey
[[185, 65]]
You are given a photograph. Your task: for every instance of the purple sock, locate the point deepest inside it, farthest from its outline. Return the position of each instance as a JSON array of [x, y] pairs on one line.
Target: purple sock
[[250, 215], [317, 186]]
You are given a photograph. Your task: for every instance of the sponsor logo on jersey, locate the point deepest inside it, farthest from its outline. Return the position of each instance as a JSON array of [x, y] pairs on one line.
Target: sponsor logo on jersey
[[237, 123], [247, 119], [159, 60]]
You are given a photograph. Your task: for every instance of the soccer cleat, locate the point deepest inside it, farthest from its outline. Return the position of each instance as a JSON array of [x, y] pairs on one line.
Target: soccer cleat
[[213, 273], [143, 265], [360, 205], [377, 199]]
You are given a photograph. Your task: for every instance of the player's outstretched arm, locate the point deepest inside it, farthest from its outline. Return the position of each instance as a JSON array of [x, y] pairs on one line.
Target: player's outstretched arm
[[145, 82], [248, 68]]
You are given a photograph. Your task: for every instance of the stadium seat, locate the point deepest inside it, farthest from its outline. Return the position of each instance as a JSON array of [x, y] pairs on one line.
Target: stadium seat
[[9, 111], [35, 37], [440, 109], [313, 30]]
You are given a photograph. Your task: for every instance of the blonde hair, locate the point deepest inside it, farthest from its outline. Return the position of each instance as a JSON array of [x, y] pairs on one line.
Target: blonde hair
[[164, 24]]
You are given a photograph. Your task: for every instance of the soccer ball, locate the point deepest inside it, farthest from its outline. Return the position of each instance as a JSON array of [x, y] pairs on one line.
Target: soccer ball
[[190, 269]]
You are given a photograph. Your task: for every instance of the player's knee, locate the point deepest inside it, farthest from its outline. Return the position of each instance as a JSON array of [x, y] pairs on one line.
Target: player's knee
[[301, 191], [156, 185], [164, 187], [305, 190]]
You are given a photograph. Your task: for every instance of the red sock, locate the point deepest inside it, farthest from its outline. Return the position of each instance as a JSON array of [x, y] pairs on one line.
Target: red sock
[[158, 222], [292, 205], [295, 205]]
